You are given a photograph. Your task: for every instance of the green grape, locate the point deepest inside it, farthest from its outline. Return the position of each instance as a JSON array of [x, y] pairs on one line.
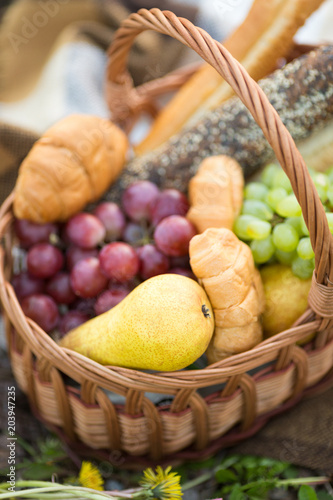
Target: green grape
[[304, 249], [285, 257], [255, 191], [329, 216], [288, 207], [285, 237], [258, 229], [303, 268], [274, 196], [240, 226], [268, 174], [281, 180], [304, 229], [257, 208], [329, 193], [296, 223], [262, 250]]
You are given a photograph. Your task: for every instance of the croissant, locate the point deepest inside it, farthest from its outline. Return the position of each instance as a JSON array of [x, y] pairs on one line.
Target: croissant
[[72, 164], [225, 268], [216, 193]]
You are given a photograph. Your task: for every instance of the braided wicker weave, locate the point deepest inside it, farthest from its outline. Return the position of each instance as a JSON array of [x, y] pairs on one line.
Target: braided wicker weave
[[207, 408]]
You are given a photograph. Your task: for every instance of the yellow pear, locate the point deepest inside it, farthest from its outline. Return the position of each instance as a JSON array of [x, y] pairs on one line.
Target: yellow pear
[[286, 298], [164, 324]]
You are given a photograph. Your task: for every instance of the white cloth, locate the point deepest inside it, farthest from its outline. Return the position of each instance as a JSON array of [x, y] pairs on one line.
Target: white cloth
[[72, 80]]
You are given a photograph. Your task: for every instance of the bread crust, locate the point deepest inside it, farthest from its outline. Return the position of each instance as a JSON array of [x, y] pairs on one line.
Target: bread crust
[[265, 36], [302, 94], [225, 268], [72, 164]]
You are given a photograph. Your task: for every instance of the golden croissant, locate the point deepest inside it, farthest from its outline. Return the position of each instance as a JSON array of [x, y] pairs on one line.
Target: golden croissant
[[72, 164]]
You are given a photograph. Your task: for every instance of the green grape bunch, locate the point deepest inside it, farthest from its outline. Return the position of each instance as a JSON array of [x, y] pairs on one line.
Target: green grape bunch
[[271, 220]]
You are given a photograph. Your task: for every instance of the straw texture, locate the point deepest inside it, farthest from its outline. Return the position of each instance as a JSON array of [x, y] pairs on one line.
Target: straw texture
[[226, 401]]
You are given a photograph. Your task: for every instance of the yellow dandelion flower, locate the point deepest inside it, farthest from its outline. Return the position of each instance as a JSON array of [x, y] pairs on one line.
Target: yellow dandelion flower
[[165, 485], [90, 477]]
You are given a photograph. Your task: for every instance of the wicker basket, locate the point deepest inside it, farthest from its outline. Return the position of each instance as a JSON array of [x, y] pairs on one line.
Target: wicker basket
[[208, 408]]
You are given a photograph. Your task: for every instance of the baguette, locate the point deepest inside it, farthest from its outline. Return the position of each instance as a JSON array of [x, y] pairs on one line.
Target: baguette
[[258, 43], [301, 93]]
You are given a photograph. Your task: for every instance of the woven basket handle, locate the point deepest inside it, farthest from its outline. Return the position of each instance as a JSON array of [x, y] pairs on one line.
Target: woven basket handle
[[213, 52]]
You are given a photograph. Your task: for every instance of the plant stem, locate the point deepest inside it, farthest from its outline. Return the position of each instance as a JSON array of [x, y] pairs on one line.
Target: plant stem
[[198, 480], [41, 488], [287, 482], [304, 480], [45, 490]]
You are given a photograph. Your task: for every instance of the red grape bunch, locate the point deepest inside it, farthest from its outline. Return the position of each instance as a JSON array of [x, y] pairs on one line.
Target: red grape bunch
[[83, 268]]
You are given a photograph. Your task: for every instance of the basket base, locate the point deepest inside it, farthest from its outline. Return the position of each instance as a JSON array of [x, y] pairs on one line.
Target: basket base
[[118, 459]]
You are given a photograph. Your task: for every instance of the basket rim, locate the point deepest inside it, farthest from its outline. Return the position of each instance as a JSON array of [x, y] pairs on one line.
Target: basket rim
[[42, 345]]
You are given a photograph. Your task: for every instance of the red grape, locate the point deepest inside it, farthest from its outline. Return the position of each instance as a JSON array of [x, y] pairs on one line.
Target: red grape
[[169, 202], [85, 230], [85, 306], [112, 218], [30, 233], [182, 272], [109, 298], [138, 199], [25, 285], [87, 279], [74, 254], [183, 262], [72, 319], [173, 234], [119, 261], [134, 233], [59, 288], [42, 309], [44, 260], [152, 261]]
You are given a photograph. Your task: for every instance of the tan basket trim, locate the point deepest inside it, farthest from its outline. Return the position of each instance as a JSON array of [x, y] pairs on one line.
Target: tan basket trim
[[88, 392], [200, 418], [181, 400], [322, 338], [27, 365], [274, 388], [320, 300], [47, 402], [134, 402], [285, 357], [300, 360], [155, 431], [231, 386], [63, 403], [111, 420], [44, 367], [320, 363], [249, 394]]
